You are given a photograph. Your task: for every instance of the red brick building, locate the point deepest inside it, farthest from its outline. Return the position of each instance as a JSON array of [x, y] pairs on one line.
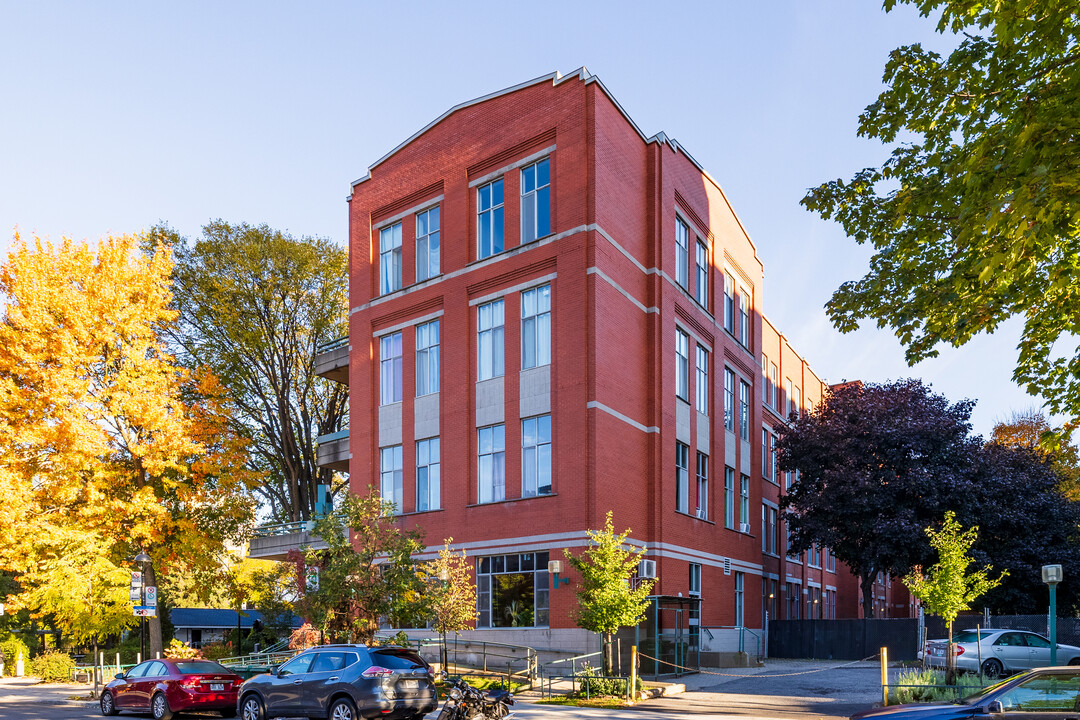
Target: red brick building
[[553, 316]]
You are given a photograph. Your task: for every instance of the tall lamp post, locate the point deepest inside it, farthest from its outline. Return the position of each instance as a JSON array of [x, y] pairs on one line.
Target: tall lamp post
[[1052, 575], [142, 558]]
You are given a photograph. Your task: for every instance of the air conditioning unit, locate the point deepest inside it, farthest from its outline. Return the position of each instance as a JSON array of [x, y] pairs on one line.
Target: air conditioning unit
[[646, 569], [744, 527]]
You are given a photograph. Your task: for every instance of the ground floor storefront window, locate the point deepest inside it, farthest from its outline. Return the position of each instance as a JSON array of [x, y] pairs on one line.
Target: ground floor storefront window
[[512, 590]]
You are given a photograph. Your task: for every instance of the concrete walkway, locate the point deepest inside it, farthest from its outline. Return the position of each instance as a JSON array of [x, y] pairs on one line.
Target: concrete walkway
[[32, 690]]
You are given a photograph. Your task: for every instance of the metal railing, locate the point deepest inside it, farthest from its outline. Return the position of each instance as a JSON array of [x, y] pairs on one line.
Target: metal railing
[[483, 655], [284, 528], [331, 345]]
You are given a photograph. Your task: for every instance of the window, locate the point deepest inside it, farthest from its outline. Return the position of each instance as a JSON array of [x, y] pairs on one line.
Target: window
[[391, 477], [768, 598], [701, 381], [764, 453], [729, 400], [744, 410], [701, 290], [830, 561], [682, 254], [729, 303], [793, 600], [489, 219], [772, 457], [764, 537], [772, 385], [695, 580], [536, 327], [765, 379], [702, 486], [814, 608], [739, 599], [390, 259], [491, 463], [744, 502], [682, 364], [427, 244], [512, 590], [536, 201], [729, 498], [790, 404], [813, 556], [771, 528], [390, 367], [682, 477], [791, 554], [489, 340], [427, 474], [796, 406], [536, 456], [427, 358], [744, 317]]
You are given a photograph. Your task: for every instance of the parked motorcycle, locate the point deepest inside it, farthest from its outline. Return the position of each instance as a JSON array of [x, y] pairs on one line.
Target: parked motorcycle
[[464, 702]]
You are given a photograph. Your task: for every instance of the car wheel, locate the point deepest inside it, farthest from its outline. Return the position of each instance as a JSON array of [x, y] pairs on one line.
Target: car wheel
[[993, 668], [108, 706], [159, 706], [251, 708], [1075, 661], [342, 709]]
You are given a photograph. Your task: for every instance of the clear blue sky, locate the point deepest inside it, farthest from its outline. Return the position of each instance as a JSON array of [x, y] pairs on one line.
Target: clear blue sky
[[115, 115]]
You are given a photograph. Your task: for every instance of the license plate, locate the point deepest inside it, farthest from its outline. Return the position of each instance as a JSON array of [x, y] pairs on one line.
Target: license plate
[[217, 686], [938, 652], [410, 684]]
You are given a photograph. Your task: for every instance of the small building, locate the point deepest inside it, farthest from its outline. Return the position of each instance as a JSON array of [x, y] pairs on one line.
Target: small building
[[200, 626]]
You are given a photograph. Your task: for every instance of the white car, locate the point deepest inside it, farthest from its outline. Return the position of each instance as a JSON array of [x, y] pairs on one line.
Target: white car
[[1002, 652]]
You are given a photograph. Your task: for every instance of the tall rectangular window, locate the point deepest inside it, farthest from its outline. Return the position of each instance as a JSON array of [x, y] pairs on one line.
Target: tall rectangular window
[[536, 201], [772, 457], [744, 503], [489, 219], [729, 498], [772, 385], [701, 290], [764, 519], [536, 456], [701, 381], [792, 601], [390, 367], [796, 406], [790, 405], [428, 478], [765, 453], [695, 580], [765, 379], [744, 410], [489, 340], [390, 259], [729, 303], [744, 317], [682, 477], [491, 463], [702, 486], [682, 364], [390, 480], [729, 400], [536, 327], [427, 244], [740, 615], [682, 254], [774, 539], [427, 358]]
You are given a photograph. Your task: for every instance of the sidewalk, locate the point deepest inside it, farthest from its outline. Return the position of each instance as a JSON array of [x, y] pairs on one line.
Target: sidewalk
[[32, 690]]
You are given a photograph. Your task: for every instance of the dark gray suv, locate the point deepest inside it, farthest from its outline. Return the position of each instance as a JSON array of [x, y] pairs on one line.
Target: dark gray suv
[[343, 682]]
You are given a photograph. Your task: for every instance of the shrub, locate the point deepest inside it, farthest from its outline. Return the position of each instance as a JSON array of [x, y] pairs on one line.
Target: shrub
[[592, 684], [402, 639], [303, 637], [179, 651], [10, 647], [52, 666], [217, 650], [924, 686]]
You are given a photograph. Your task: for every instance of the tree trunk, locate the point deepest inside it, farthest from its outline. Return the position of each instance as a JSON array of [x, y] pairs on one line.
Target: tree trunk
[[866, 583], [608, 645], [153, 623], [950, 660]]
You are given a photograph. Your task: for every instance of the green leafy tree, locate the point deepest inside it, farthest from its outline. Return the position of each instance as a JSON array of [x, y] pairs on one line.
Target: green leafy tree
[[1030, 429], [365, 577], [947, 588], [607, 599], [974, 215], [254, 305]]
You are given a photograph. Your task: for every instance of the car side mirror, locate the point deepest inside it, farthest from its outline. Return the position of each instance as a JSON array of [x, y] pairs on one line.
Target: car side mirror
[[119, 676], [994, 707]]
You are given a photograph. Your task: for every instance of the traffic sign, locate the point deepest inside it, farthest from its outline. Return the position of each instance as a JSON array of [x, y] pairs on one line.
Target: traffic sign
[[151, 596], [135, 596], [145, 611], [136, 579]]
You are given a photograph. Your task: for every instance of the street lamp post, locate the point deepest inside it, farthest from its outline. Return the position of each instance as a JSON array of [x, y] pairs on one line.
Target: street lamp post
[[142, 558], [1052, 575], [444, 576]]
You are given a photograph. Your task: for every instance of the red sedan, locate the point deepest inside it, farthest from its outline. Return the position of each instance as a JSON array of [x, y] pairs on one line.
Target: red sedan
[[164, 687]]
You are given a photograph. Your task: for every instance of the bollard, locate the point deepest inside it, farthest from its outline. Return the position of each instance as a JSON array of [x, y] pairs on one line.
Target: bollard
[[19, 666], [633, 673], [117, 663], [884, 676]]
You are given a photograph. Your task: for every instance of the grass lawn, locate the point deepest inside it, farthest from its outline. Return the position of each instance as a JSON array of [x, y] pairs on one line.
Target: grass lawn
[[609, 703]]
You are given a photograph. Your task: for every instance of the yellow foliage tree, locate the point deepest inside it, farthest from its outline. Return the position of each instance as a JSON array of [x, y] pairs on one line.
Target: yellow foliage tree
[[101, 432]]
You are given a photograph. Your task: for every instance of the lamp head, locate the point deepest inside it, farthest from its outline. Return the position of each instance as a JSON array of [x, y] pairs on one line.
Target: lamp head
[[1051, 574], [142, 557]]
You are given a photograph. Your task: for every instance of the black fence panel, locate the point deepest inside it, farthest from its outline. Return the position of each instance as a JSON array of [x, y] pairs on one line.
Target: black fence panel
[[844, 639]]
